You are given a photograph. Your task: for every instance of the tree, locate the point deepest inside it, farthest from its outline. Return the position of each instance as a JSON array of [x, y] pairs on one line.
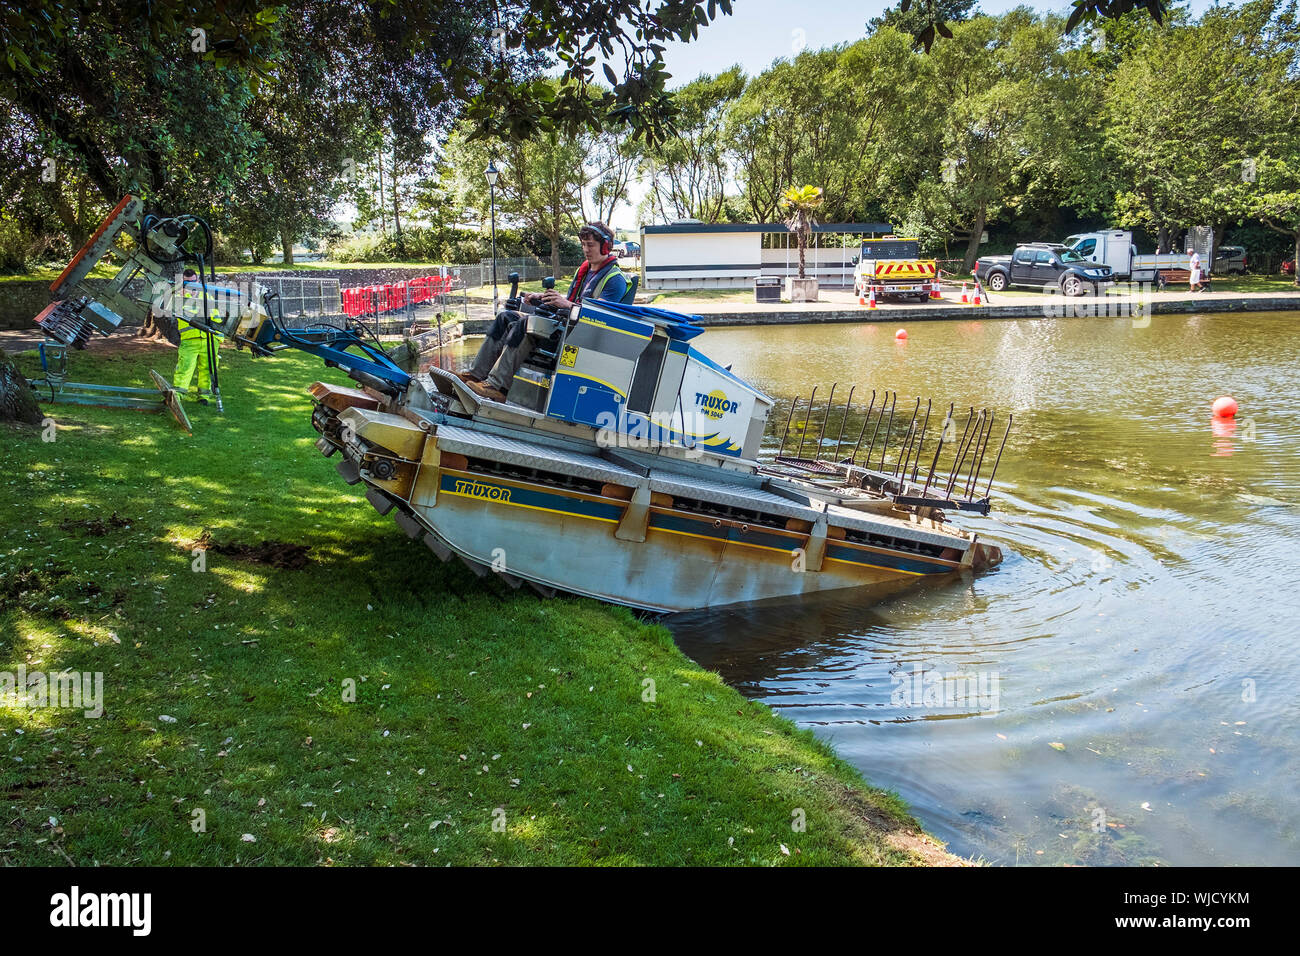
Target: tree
[[931, 18], [688, 173], [540, 185], [170, 99], [17, 403], [800, 202], [991, 108], [1193, 106], [915, 19]]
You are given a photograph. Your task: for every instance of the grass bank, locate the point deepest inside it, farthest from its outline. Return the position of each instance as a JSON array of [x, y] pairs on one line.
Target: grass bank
[[488, 725]]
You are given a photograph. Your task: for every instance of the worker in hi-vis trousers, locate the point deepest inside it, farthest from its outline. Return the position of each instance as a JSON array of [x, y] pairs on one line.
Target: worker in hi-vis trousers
[[196, 353]]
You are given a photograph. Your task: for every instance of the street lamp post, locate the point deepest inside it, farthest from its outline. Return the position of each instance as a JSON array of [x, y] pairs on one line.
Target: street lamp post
[[492, 173]]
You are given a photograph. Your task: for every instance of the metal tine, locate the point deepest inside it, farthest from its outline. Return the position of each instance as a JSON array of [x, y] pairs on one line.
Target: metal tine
[[793, 406], [888, 428], [920, 442], [844, 421], [938, 448], [880, 419], [865, 422], [975, 479], [908, 445], [975, 449], [821, 435], [961, 453], [905, 449], [998, 460], [804, 431]]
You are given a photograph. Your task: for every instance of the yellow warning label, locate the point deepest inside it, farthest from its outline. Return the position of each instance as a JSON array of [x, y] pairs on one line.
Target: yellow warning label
[[570, 356]]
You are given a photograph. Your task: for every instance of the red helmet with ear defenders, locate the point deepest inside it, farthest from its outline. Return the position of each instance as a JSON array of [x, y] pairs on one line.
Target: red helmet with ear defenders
[[605, 237]]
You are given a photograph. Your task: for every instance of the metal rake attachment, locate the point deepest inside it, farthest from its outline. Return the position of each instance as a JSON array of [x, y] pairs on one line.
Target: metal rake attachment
[[955, 487]]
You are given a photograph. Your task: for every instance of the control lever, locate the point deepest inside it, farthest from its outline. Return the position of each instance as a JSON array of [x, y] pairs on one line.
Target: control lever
[[548, 284], [512, 301]]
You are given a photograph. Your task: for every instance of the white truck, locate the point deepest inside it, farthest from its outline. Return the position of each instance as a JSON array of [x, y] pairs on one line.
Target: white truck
[[1115, 248]]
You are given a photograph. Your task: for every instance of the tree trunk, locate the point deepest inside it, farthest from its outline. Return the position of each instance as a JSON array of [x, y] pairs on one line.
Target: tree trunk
[[383, 220], [1162, 240], [17, 403], [160, 328], [286, 243], [803, 245], [1296, 261], [973, 246], [397, 217], [555, 253]]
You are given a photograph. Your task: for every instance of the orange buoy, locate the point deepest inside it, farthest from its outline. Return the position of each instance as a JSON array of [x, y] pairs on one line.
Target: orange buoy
[[901, 334], [1225, 407]]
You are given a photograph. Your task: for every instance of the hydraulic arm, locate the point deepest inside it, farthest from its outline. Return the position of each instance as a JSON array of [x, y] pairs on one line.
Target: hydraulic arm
[[149, 278]]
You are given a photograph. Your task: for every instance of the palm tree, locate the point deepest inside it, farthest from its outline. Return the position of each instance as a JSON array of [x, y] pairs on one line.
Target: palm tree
[[801, 203]]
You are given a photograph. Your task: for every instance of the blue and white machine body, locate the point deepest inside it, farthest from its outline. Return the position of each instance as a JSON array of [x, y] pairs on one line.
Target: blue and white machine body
[[630, 369]]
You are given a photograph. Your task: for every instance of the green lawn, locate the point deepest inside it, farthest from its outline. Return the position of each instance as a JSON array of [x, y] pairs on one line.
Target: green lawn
[[224, 688], [702, 295]]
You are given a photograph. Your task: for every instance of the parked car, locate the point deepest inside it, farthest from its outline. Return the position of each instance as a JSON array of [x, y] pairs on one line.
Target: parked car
[[1230, 260], [1043, 264]]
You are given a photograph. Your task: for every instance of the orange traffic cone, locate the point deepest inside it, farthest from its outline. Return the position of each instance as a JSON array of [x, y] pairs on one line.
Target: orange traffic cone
[[862, 297], [965, 299], [977, 293], [871, 303], [935, 293]]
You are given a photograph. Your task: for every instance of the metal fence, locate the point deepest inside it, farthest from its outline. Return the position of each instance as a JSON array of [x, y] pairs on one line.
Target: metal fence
[[305, 297], [530, 268]]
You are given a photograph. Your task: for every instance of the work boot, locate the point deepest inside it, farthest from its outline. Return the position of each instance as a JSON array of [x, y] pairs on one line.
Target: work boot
[[487, 391], [469, 377]]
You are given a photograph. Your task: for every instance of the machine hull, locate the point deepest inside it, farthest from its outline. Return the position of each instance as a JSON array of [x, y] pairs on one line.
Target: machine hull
[[628, 527]]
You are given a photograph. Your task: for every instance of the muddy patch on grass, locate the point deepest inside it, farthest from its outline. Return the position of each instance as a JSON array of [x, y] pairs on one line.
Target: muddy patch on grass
[[96, 527], [277, 554]]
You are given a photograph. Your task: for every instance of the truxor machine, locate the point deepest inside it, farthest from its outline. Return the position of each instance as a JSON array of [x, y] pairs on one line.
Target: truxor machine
[[624, 464]]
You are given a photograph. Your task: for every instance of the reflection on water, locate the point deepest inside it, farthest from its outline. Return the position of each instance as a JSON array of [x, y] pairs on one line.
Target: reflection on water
[[1122, 689]]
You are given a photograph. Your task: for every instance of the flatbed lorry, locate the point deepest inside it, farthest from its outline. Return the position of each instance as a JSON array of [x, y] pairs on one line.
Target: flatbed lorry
[[895, 268]]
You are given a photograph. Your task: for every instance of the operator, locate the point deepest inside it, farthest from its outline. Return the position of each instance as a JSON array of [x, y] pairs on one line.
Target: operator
[[506, 345], [194, 352]]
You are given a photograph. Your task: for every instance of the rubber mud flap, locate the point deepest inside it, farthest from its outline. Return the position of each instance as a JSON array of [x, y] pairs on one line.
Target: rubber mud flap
[[437, 547], [349, 470], [380, 501], [409, 524]]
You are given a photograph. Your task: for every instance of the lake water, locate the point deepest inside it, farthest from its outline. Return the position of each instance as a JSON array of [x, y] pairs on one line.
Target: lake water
[[1135, 657], [1123, 688]]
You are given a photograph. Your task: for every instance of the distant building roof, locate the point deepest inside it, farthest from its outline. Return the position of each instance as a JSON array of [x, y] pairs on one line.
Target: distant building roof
[[831, 227]]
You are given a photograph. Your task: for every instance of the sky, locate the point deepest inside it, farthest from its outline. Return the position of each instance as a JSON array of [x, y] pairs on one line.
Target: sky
[[760, 31]]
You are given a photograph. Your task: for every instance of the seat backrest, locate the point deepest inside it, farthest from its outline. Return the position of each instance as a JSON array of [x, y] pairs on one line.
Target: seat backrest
[[631, 290]]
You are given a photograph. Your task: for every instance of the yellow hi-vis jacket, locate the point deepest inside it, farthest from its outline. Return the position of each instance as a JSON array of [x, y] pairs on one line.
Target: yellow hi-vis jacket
[[191, 306]]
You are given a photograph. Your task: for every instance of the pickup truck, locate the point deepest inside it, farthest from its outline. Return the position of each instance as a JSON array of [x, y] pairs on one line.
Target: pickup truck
[[1115, 248], [1041, 265]]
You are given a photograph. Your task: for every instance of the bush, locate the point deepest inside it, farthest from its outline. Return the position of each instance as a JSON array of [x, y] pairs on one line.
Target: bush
[[21, 250]]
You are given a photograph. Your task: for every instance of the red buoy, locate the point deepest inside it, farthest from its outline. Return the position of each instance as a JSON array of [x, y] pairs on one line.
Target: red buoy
[[900, 334], [1225, 407]]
